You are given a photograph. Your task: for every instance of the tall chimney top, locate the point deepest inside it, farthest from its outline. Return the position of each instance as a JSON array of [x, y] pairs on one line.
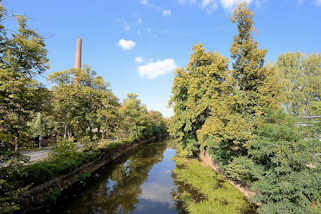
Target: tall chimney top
[[78, 54]]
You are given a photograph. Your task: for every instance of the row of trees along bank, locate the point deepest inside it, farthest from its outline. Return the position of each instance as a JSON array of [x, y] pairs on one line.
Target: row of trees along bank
[[84, 111], [245, 118]]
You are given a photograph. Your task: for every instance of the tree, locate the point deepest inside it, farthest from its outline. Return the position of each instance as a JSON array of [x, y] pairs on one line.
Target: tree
[[21, 57], [159, 124], [199, 93], [86, 107], [136, 122], [218, 108], [300, 77], [257, 85]]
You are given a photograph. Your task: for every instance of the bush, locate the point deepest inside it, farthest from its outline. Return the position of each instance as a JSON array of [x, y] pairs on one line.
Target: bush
[[64, 148], [52, 196], [280, 165], [287, 184], [244, 170]]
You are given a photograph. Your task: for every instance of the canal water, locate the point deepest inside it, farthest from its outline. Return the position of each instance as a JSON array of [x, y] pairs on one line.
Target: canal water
[[141, 182]]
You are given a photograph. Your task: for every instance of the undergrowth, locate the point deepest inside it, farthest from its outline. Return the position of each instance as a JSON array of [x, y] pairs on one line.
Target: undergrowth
[[202, 190]]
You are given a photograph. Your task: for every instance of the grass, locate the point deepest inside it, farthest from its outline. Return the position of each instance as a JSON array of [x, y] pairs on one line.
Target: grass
[[202, 190]]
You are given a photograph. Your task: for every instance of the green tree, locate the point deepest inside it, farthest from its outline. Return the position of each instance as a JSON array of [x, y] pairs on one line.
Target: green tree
[[199, 93], [136, 121], [258, 88], [159, 124], [300, 77], [86, 107], [22, 55], [37, 126]]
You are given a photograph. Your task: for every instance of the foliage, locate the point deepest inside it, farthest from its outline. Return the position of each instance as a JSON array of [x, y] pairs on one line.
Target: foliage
[[300, 79], [86, 107], [257, 85], [80, 107], [241, 124], [10, 188], [52, 195], [22, 55], [244, 170], [288, 183], [137, 123], [64, 148], [84, 176], [197, 93], [202, 190]]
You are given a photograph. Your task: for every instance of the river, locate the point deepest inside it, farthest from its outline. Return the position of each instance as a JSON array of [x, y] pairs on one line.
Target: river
[[141, 182]]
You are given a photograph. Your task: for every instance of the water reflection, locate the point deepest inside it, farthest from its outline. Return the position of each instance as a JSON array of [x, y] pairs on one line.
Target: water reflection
[[141, 183]]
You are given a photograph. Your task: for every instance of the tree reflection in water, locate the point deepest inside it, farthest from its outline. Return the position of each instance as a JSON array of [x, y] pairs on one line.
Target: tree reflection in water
[[121, 187]]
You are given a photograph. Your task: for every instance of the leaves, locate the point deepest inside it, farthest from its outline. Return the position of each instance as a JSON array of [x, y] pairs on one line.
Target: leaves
[[299, 76]]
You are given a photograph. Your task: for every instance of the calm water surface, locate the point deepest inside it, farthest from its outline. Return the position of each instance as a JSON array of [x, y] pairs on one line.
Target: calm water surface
[[140, 183]]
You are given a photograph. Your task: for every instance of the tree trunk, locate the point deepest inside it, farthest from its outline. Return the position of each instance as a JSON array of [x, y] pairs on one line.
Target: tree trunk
[[40, 141], [40, 138], [65, 134], [16, 144]]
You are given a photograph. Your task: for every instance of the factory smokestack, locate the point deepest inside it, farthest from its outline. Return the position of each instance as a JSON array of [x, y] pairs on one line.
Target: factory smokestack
[[78, 54]]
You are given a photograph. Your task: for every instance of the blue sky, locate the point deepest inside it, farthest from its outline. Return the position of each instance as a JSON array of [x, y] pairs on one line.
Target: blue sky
[[136, 44]]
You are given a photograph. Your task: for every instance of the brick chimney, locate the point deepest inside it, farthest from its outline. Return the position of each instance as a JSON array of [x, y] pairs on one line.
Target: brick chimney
[[78, 54]]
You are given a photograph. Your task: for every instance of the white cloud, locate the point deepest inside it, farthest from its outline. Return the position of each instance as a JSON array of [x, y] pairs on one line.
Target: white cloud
[[210, 5], [167, 12], [146, 3], [139, 59], [126, 44], [164, 11], [156, 192], [154, 69], [230, 4], [318, 2], [149, 30], [140, 20]]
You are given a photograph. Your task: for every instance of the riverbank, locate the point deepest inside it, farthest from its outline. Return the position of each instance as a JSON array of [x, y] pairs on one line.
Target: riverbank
[[47, 180], [154, 178], [203, 190], [52, 189], [206, 160], [138, 182]]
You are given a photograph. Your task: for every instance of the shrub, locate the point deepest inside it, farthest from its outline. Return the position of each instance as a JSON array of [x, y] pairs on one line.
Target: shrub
[[244, 170], [52, 195], [64, 148]]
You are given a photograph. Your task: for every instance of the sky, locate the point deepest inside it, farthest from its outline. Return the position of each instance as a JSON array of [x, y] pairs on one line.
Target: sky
[[136, 45]]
